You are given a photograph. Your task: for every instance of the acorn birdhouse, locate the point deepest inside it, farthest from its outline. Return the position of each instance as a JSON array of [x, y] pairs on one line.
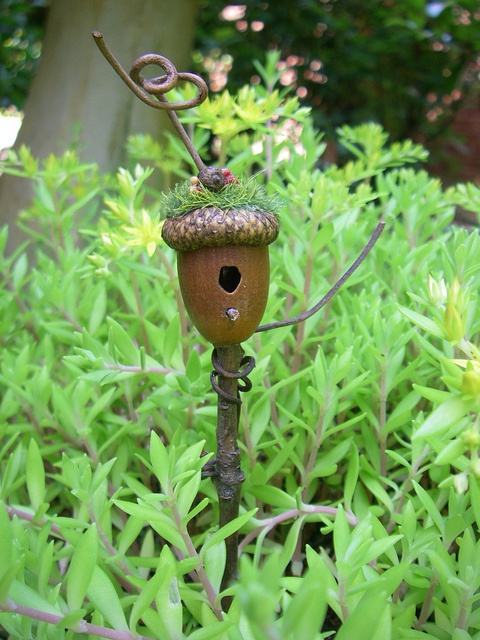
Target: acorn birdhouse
[[221, 228], [223, 261]]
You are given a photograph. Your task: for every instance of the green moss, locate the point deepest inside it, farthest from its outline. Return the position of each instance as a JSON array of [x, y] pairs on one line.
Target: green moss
[[244, 194]]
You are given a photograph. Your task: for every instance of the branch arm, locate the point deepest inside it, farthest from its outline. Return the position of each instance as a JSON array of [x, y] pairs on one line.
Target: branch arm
[[307, 314]]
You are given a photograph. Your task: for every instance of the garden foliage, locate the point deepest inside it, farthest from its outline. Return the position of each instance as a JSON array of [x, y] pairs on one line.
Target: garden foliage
[[360, 438], [410, 65]]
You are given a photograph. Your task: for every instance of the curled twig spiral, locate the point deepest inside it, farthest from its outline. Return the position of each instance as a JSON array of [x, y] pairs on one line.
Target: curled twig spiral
[[158, 86], [248, 364]]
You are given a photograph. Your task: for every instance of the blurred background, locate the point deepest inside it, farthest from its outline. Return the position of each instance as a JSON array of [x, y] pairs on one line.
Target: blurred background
[[411, 65]]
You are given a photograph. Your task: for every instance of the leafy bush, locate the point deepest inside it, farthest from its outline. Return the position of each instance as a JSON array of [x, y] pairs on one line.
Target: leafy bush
[[359, 439], [408, 65], [21, 32]]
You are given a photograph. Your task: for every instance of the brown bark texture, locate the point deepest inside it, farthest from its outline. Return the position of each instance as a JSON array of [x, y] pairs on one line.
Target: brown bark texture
[[75, 87]]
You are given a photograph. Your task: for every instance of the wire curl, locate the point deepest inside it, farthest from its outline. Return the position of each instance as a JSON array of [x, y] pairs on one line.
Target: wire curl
[[248, 364]]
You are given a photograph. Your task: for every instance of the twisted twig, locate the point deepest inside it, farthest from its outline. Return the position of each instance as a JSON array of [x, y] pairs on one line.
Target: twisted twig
[[160, 85]]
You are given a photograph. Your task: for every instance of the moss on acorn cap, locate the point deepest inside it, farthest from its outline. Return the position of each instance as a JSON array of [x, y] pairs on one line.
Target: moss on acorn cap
[[239, 213], [215, 227]]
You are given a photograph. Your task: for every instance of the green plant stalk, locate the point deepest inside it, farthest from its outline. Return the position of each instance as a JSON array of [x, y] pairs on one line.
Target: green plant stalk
[[382, 438], [178, 297], [82, 627], [406, 487], [301, 327], [30, 326], [222, 160], [228, 476], [427, 604], [192, 552], [141, 314]]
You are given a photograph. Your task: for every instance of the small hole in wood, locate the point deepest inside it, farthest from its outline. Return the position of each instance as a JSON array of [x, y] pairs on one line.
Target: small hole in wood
[[229, 278]]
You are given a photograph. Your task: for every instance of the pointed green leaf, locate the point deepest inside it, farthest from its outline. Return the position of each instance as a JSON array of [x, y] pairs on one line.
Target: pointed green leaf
[[424, 323], [7, 578], [451, 452], [195, 511], [145, 598], [228, 529], [341, 533], [187, 493], [370, 620], [35, 475], [430, 506], [171, 340], [213, 631], [444, 416], [6, 540], [19, 270], [274, 496], [159, 459], [306, 611], [81, 568], [214, 562], [103, 596], [45, 561], [28, 597], [194, 367], [475, 498], [71, 620], [129, 534], [99, 406], [98, 309], [434, 395], [156, 519], [123, 343], [351, 477], [168, 599]]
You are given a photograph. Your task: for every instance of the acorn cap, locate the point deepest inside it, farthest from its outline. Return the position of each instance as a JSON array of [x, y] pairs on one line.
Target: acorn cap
[[214, 227]]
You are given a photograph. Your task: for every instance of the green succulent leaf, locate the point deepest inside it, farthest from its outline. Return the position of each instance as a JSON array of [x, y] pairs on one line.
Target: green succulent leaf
[[82, 567]]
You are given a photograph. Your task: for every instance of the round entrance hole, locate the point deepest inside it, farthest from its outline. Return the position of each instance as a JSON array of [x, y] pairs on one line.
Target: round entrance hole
[[229, 278]]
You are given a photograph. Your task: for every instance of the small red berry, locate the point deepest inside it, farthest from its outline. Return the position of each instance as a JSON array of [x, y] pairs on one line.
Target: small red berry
[[229, 177]]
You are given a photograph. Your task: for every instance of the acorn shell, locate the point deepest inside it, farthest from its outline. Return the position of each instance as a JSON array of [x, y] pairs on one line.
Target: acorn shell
[[223, 268], [214, 227], [225, 290]]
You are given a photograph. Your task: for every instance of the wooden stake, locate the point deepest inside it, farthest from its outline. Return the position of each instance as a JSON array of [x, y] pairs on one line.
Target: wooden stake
[[228, 474]]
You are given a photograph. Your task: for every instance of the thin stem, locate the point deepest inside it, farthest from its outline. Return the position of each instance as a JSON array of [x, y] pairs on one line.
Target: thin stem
[[20, 304], [143, 89], [24, 515], [128, 586], [307, 314], [406, 488], [269, 151], [186, 140], [82, 627], [247, 436], [271, 396], [427, 603], [311, 456], [114, 366], [68, 316], [306, 510], [222, 158], [342, 597], [297, 357], [382, 440], [199, 569], [462, 618], [179, 300], [141, 314]]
